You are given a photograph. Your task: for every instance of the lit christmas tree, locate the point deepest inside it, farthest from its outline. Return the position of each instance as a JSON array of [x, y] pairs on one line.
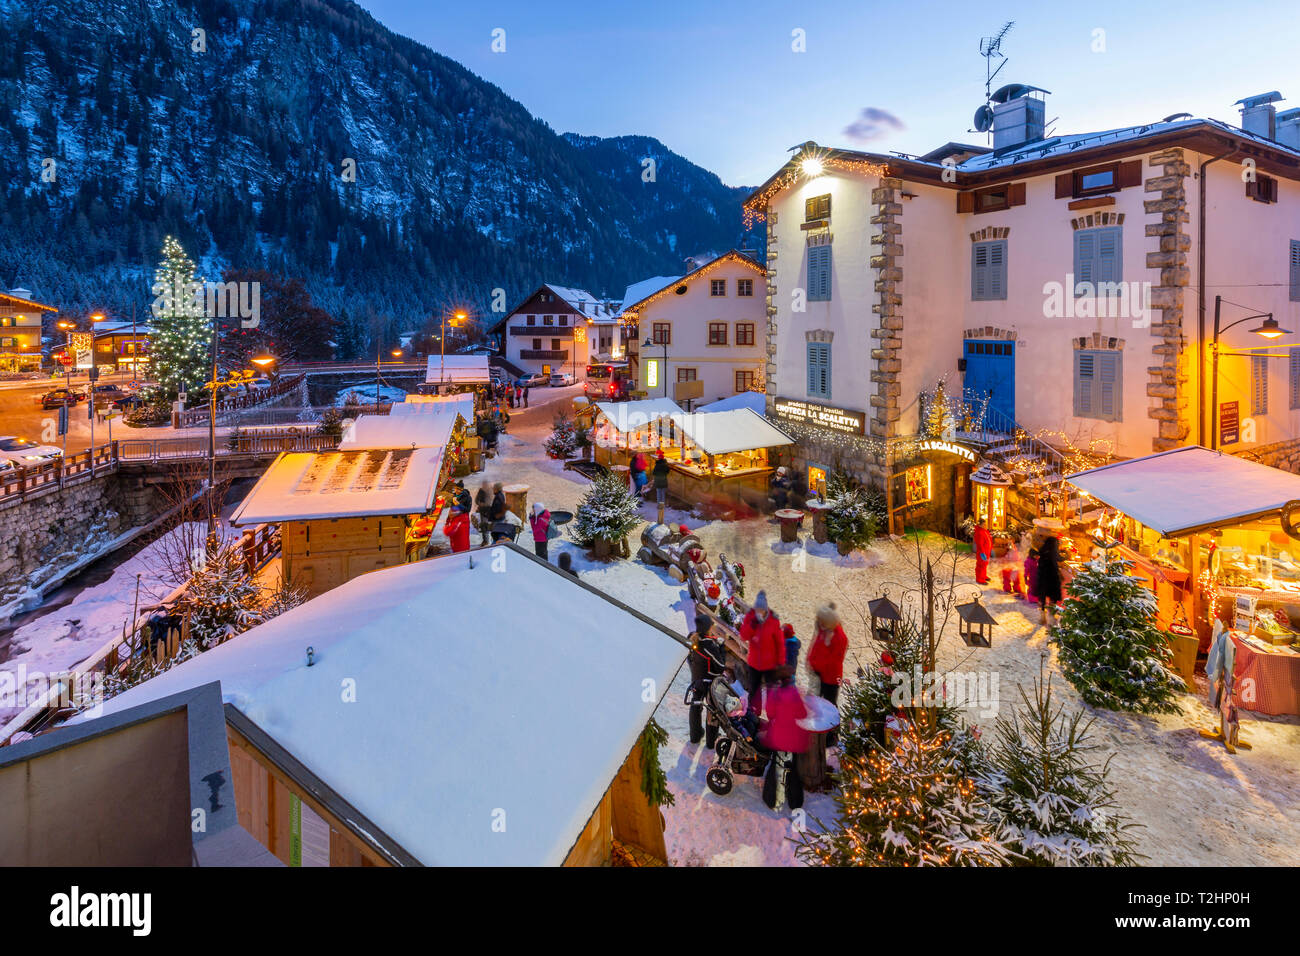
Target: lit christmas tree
[[607, 512], [182, 341], [1111, 650]]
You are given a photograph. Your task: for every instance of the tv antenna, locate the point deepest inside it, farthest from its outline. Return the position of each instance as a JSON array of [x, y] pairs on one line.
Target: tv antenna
[[990, 48]]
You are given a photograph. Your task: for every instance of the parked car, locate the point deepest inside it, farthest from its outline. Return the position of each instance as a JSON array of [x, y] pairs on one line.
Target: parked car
[[533, 380], [55, 398], [258, 384], [107, 394], [25, 452], [561, 378]]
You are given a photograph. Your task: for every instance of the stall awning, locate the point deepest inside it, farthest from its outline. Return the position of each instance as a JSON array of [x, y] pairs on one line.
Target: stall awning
[[457, 370], [629, 416], [740, 429], [461, 404], [1190, 489]]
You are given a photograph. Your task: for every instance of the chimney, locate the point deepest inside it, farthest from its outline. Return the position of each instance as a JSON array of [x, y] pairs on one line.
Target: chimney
[[1288, 129], [21, 293], [1259, 115], [1019, 117]]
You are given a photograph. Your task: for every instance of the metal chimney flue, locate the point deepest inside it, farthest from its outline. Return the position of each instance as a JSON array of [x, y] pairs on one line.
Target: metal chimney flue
[[1019, 117], [1259, 115], [1288, 129]]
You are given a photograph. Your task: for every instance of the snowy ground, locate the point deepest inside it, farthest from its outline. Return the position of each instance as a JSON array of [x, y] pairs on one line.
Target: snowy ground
[[1198, 804]]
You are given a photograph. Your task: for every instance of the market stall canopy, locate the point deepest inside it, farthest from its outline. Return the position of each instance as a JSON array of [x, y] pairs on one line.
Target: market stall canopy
[[1190, 489], [629, 416], [447, 726], [740, 429], [461, 404], [373, 432], [302, 486], [457, 370]]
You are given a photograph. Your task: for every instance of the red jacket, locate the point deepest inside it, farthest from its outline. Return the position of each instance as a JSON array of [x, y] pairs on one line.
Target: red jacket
[[540, 523], [783, 708], [827, 660], [765, 641], [983, 543], [457, 529]]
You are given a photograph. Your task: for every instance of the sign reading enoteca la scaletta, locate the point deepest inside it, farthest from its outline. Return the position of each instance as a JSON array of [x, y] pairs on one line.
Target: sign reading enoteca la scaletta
[[841, 420]]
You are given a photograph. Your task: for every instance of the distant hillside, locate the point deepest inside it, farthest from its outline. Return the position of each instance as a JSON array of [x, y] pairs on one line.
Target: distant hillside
[[238, 150]]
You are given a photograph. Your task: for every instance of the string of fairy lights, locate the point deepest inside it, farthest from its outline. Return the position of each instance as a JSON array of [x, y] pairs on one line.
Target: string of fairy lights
[[182, 334], [808, 164]]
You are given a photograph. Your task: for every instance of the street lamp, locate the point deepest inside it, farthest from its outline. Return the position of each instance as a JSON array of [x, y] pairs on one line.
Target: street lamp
[[663, 373], [263, 361], [457, 320], [1269, 330]]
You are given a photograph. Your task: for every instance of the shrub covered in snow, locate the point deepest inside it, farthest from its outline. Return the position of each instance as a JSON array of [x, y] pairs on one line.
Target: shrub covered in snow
[[1111, 650], [1052, 803], [563, 438], [607, 512]]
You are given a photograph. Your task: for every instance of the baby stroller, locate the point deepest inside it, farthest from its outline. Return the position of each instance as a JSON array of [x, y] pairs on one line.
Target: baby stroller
[[737, 749]]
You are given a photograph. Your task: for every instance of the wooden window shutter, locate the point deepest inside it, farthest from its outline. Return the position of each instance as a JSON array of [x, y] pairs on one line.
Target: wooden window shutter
[[1109, 255], [966, 202], [1293, 360], [997, 270], [1108, 386], [1016, 194], [979, 269], [1129, 174], [1083, 378], [1065, 186], [1085, 251], [1295, 271], [1259, 384]]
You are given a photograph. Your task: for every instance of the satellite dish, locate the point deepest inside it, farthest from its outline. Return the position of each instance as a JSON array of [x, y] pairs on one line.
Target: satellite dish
[[983, 118]]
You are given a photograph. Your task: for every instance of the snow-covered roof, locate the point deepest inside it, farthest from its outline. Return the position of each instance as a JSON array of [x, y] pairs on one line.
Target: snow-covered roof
[[1190, 489], [139, 329], [300, 486], [585, 302], [646, 288], [450, 733], [740, 429], [754, 401], [629, 416], [428, 430], [458, 369], [462, 403]]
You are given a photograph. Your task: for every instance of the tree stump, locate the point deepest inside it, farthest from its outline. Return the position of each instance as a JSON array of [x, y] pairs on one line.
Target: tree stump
[[517, 501]]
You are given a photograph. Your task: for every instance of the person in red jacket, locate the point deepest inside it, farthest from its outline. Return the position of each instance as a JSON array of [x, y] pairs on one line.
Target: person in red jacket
[[761, 633], [983, 551], [826, 657], [457, 529], [783, 708]]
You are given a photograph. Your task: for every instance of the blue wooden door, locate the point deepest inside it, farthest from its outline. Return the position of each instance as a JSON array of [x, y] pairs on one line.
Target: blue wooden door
[[991, 372]]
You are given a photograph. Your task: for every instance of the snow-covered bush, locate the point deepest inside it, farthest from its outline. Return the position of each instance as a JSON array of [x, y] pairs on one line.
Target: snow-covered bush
[[851, 521], [1111, 650], [607, 512], [1052, 803]]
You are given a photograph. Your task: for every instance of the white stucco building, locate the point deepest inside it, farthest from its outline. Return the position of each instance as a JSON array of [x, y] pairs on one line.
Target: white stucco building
[[709, 322], [560, 329], [1067, 283]]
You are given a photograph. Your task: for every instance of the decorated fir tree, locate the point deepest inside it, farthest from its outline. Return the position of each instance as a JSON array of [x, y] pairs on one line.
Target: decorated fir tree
[[910, 804], [563, 438], [607, 512], [182, 339], [1052, 802], [1111, 650]]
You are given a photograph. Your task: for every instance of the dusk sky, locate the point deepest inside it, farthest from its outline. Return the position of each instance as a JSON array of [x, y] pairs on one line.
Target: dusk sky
[[719, 83]]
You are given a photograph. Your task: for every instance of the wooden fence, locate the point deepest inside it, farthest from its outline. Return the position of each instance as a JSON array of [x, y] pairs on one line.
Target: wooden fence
[[200, 415]]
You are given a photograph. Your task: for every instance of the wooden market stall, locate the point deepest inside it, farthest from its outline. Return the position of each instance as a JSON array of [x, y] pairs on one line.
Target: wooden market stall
[[425, 764], [711, 455], [372, 504], [1211, 534]]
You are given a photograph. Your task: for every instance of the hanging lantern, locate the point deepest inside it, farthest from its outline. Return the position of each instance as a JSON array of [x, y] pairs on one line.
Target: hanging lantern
[[990, 484], [976, 626], [885, 618]]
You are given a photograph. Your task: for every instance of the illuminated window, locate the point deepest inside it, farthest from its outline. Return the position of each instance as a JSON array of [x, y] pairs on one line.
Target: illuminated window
[[817, 479], [918, 485], [652, 373]]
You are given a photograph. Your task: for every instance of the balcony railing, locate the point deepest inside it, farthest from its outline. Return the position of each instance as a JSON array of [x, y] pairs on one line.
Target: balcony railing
[[544, 354], [543, 331]]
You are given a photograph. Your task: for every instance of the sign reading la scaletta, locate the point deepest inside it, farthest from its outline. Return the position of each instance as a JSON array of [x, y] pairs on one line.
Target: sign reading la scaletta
[[841, 420]]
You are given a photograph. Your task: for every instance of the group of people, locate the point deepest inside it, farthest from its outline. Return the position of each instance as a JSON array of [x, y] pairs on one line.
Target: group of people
[[643, 472], [775, 705], [512, 393], [495, 521], [1042, 567]]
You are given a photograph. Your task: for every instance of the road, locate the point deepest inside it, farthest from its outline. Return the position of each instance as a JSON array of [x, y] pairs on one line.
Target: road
[[22, 415]]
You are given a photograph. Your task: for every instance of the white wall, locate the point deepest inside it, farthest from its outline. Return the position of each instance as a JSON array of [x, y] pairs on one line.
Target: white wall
[[690, 315], [848, 313]]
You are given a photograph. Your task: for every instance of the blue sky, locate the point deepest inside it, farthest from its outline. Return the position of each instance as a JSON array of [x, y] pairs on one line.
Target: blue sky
[[718, 82]]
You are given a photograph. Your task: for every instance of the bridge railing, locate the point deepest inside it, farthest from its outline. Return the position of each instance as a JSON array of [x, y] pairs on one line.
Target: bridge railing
[[20, 481], [200, 414]]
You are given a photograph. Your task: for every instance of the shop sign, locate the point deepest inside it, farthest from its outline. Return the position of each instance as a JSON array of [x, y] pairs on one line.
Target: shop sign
[[947, 447], [841, 420], [82, 345], [1244, 612], [1229, 423]]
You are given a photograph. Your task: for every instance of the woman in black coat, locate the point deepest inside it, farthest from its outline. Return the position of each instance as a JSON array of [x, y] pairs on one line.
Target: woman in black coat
[[1049, 575]]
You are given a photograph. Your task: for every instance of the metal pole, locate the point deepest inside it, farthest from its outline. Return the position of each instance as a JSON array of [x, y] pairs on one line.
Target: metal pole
[[1214, 377], [665, 373], [442, 348], [135, 345], [212, 444]]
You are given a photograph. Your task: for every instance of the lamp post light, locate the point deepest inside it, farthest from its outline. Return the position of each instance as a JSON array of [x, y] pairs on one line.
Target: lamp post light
[[1269, 329], [663, 373], [457, 320]]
